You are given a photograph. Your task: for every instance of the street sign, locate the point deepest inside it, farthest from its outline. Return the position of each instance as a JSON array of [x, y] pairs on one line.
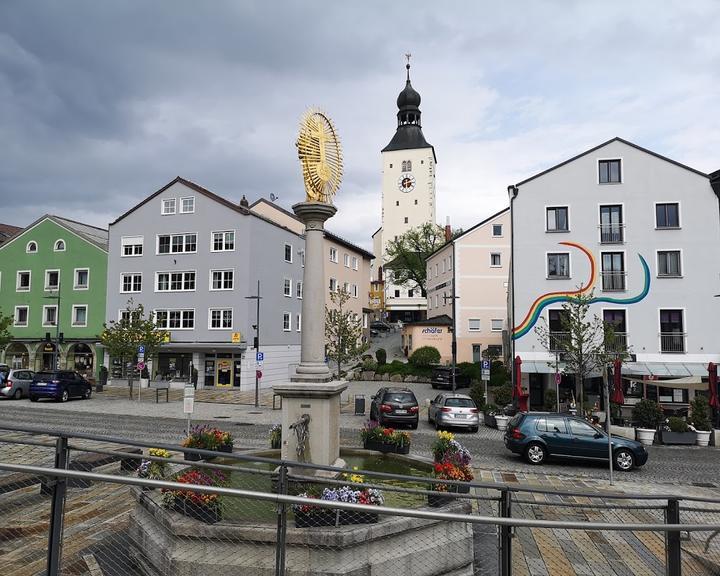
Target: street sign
[[485, 365], [558, 378], [258, 374], [260, 358], [236, 337], [141, 366], [485, 375], [141, 349], [188, 405]]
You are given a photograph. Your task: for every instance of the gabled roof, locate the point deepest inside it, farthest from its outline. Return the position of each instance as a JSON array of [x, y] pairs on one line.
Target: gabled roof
[[488, 219], [616, 139], [7, 230], [328, 234], [98, 237]]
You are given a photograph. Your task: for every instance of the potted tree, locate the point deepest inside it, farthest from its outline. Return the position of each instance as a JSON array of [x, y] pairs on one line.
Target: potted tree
[[648, 415], [677, 431], [700, 420]]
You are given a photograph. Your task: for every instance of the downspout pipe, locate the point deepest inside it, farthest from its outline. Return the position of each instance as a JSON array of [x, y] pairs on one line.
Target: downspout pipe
[[512, 192]]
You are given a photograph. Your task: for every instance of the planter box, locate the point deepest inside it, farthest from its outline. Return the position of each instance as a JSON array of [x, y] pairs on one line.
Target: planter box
[[319, 517], [681, 438], [489, 420], [347, 517], [436, 500], [501, 422], [227, 448], [702, 437], [207, 514], [192, 457], [386, 448], [645, 436]]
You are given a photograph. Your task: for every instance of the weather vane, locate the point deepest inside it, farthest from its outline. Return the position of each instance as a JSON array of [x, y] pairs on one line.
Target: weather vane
[[320, 156]]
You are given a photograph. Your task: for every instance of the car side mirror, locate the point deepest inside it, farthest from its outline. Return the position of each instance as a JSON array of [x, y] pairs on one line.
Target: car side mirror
[[373, 397], [598, 435]]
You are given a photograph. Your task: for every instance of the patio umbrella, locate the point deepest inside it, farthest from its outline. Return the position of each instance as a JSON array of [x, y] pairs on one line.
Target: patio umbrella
[[617, 396], [517, 389], [712, 383]]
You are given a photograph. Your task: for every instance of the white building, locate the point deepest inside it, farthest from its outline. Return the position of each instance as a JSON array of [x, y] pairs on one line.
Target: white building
[[408, 198], [643, 232]]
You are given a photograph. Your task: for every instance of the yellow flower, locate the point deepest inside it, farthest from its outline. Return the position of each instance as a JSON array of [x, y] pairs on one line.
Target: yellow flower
[[159, 452], [443, 435]]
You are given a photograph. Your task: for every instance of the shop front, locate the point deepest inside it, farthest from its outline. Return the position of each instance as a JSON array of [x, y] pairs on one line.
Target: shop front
[[223, 369], [17, 356]]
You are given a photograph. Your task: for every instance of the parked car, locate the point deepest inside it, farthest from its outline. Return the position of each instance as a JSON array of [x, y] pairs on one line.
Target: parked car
[[538, 436], [60, 385], [456, 410], [17, 384], [380, 326], [395, 406], [442, 378]]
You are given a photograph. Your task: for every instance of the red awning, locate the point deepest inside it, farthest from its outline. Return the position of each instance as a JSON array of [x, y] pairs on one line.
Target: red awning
[[712, 385], [617, 396]]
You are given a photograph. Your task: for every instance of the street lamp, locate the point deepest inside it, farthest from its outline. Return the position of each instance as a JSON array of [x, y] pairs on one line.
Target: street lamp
[[454, 332], [56, 352], [256, 326]]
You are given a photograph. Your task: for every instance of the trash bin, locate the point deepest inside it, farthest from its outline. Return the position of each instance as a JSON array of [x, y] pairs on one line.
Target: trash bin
[[359, 405]]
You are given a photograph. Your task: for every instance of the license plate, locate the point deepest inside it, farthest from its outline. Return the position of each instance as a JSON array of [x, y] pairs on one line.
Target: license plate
[[401, 412], [41, 384], [460, 415]]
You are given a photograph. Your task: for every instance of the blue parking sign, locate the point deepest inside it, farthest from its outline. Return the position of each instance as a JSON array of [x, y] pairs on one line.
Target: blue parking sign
[[485, 365], [141, 349]]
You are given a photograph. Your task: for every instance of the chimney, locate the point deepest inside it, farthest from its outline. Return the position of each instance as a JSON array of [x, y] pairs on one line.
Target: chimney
[[244, 203], [448, 230]]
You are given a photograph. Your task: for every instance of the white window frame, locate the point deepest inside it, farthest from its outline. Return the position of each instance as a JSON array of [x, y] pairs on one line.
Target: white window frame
[[64, 245], [287, 316], [299, 289], [547, 265], [479, 325], [493, 231], [285, 253], [73, 315], [657, 262], [45, 323], [680, 224], [450, 261], [298, 322], [156, 282], [222, 319], [171, 253], [354, 262], [330, 286], [222, 279], [182, 205], [346, 287], [492, 325], [622, 170], [132, 282], [302, 258], [31, 243], [444, 264], [182, 312], [165, 210], [47, 286], [27, 316], [77, 286], [224, 241], [17, 281], [287, 287], [333, 254], [499, 254], [354, 290], [133, 241], [555, 207], [346, 260]]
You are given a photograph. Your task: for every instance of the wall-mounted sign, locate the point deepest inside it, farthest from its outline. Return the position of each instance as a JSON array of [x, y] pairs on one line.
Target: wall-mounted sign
[[236, 337], [432, 330]]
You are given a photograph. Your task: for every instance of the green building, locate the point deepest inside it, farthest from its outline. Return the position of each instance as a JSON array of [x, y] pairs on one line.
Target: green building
[[53, 282]]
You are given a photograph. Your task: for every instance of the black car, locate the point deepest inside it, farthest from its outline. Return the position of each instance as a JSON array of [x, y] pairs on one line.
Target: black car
[[395, 406], [442, 378], [380, 326], [60, 385]]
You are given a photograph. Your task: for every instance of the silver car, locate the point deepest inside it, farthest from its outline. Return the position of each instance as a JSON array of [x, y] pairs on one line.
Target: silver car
[[454, 410], [17, 384]]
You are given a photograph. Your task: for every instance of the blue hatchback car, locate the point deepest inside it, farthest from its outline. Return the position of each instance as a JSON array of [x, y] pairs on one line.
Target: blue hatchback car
[[59, 385], [536, 436]]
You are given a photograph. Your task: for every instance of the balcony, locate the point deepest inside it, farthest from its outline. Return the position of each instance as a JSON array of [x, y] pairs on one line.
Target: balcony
[[613, 281], [559, 341], [618, 343], [672, 342], [612, 233]]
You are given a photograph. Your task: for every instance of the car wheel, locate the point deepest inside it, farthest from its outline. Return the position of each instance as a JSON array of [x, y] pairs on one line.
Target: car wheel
[[474, 429], [434, 386], [33, 399], [17, 395], [623, 460], [437, 426], [65, 395], [87, 394], [535, 453]]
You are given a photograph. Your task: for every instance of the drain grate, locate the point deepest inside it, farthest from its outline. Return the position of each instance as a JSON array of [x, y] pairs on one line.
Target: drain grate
[[254, 412], [221, 417]]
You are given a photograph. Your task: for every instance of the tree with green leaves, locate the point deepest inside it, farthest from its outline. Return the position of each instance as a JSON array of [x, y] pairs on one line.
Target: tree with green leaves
[[405, 256], [584, 344], [121, 338], [343, 331], [5, 336]]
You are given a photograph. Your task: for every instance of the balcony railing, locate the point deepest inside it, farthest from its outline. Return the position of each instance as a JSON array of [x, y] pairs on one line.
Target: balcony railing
[[612, 233], [559, 341], [618, 342], [613, 280], [672, 342]]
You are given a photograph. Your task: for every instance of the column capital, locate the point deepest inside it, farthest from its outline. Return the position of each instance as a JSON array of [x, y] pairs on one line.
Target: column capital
[[314, 214]]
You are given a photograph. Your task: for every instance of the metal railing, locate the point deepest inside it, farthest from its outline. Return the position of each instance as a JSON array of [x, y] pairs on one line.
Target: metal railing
[[672, 342], [618, 342], [612, 233], [559, 341], [123, 524], [613, 280]]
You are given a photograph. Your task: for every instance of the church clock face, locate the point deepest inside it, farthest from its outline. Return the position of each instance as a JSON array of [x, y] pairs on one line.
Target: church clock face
[[406, 182]]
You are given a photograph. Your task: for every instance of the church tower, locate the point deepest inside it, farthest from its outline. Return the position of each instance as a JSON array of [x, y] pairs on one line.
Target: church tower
[[408, 197]]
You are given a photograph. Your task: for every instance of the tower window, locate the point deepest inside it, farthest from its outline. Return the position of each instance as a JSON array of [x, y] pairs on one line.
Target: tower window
[[397, 202], [415, 201]]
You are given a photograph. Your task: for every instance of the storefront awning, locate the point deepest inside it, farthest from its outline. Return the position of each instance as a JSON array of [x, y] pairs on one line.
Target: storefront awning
[[203, 346], [665, 369]]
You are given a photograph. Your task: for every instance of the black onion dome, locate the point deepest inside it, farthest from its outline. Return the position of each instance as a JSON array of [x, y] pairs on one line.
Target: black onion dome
[[409, 97]]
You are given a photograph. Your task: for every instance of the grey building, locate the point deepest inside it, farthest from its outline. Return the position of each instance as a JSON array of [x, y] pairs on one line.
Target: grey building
[[193, 258]]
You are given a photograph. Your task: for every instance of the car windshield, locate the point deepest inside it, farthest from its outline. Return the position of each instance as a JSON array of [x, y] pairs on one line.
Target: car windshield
[[45, 374], [400, 397], [460, 403]]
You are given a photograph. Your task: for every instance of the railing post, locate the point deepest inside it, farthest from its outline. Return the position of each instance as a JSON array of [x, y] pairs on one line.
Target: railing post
[[57, 508], [673, 553], [281, 524], [506, 534]]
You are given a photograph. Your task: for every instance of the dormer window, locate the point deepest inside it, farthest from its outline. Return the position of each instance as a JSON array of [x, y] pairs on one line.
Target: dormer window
[[60, 246], [31, 247]]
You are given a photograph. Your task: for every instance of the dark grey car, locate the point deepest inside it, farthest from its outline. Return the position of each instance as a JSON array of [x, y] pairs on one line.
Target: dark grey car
[[17, 384], [395, 406]]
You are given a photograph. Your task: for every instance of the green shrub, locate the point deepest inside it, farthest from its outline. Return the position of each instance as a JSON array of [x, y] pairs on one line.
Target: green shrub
[[470, 370], [425, 356], [550, 400], [477, 393], [648, 414], [699, 407], [491, 408], [369, 366], [502, 395], [381, 356], [677, 424], [499, 374]]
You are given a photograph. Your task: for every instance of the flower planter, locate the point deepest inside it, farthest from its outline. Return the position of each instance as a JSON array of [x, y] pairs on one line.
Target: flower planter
[[489, 420], [502, 422], [386, 448], [207, 514], [677, 438], [645, 436], [347, 517], [318, 517], [192, 457], [405, 449], [227, 448], [703, 437], [436, 500]]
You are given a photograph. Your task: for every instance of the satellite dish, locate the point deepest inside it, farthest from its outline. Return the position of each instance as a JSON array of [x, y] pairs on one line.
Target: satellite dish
[[273, 197]]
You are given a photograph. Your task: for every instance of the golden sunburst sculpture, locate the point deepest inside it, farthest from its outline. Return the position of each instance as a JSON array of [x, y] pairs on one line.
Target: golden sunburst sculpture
[[320, 155]]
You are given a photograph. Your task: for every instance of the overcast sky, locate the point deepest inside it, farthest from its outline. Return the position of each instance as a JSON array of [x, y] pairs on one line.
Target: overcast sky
[[102, 103]]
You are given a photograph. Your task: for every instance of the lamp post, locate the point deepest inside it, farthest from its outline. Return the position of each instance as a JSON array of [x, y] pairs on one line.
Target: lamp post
[[56, 352], [257, 299], [454, 333]]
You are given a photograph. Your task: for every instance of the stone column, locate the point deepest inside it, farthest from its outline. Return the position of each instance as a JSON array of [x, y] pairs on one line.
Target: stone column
[[312, 366]]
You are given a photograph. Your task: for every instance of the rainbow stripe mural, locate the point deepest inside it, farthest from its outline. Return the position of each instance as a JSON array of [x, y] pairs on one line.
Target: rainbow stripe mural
[[541, 302]]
